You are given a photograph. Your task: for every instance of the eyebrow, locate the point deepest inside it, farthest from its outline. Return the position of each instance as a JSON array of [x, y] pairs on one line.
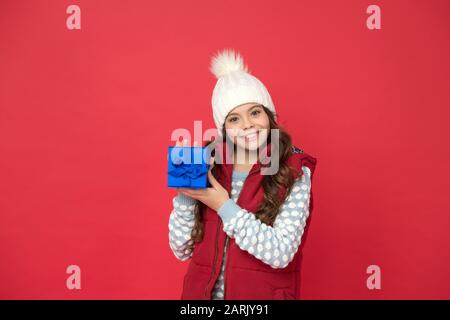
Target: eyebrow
[[256, 105]]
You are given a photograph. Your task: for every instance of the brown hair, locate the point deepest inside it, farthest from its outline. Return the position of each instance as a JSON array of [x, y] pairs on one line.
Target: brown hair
[[270, 207]]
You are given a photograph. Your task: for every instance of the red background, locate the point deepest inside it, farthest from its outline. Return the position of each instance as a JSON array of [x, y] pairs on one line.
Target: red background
[[86, 117]]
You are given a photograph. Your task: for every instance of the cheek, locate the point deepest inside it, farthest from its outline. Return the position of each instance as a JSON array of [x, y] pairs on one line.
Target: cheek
[[264, 122], [264, 134], [232, 131]]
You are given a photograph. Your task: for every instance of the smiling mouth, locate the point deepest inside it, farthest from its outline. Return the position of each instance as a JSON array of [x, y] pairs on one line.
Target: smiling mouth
[[251, 137]]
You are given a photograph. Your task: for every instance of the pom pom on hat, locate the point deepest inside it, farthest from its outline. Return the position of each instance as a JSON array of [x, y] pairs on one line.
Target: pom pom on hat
[[226, 62], [235, 86]]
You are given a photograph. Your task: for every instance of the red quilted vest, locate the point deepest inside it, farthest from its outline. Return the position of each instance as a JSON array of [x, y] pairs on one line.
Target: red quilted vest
[[246, 277]]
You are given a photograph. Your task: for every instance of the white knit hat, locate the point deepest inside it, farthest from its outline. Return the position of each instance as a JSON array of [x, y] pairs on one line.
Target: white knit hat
[[235, 86]]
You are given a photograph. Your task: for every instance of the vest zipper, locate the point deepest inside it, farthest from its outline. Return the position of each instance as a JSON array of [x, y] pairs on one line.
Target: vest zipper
[[228, 240], [225, 273], [215, 258]]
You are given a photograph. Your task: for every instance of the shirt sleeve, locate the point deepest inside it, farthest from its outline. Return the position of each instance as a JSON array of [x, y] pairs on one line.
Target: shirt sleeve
[[274, 245], [181, 222]]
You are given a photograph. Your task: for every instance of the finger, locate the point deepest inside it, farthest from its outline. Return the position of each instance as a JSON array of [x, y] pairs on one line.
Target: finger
[[187, 193], [214, 183], [193, 192], [184, 190]]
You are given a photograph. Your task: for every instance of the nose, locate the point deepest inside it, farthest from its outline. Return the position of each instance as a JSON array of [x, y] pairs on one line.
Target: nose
[[247, 123]]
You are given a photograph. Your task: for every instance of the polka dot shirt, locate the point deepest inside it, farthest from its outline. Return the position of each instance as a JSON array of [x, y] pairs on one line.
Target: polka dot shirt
[[275, 246]]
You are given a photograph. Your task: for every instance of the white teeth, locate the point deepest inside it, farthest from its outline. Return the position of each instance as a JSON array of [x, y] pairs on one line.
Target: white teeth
[[251, 137]]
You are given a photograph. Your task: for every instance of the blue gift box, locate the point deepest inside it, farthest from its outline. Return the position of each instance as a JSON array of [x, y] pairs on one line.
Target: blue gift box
[[188, 167]]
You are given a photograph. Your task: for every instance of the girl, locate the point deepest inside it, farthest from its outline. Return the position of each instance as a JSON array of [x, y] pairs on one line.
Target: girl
[[243, 234]]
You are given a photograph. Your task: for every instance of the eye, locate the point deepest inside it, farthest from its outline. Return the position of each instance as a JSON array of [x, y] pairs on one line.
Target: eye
[[256, 112], [232, 119]]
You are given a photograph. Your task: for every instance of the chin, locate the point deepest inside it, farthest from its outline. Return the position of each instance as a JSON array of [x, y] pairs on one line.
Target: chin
[[251, 147]]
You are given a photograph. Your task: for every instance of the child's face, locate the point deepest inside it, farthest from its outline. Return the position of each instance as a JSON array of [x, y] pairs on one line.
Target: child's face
[[244, 126]]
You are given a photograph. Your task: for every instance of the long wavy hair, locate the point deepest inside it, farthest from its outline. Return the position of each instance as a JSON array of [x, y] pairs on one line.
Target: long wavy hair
[[270, 207]]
